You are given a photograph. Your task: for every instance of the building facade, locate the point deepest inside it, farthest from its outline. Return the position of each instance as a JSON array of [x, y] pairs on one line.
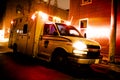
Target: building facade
[[17, 8], [94, 18]]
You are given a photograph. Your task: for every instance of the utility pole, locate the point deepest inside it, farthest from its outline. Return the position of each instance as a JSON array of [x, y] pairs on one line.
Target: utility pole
[[29, 5], [55, 3], [55, 8], [112, 40], [48, 11], [49, 2]]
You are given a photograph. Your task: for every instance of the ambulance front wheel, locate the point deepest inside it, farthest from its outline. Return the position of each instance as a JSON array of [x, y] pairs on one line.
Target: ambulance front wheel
[[59, 58]]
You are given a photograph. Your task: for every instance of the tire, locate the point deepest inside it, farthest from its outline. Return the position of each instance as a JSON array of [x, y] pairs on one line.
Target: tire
[[59, 59], [15, 48]]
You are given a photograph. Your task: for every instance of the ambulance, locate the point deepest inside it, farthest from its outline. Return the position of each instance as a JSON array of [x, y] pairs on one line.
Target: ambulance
[[52, 39]]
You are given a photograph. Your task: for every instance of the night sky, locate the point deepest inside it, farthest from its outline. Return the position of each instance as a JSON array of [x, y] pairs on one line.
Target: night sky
[[2, 8], [63, 5]]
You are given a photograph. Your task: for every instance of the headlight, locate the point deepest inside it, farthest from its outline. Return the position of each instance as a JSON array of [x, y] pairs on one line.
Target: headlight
[[79, 48], [79, 45]]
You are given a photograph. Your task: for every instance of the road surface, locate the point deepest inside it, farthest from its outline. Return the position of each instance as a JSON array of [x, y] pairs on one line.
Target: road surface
[[21, 67]]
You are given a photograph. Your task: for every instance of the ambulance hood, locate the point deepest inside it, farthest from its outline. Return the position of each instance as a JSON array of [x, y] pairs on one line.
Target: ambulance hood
[[84, 40]]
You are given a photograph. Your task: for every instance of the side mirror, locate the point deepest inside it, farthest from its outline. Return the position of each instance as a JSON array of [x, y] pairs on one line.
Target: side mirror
[[85, 35]]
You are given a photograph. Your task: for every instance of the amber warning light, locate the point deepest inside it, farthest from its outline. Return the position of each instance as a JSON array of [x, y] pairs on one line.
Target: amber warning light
[[47, 17]]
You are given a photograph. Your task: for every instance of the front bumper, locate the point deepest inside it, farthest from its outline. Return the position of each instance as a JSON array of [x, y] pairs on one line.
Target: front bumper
[[83, 60], [88, 61]]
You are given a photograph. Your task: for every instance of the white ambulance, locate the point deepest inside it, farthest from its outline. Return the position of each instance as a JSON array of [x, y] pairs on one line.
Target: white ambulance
[[49, 38]]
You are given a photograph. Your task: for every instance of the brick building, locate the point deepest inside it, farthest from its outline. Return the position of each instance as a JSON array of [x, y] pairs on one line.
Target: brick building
[[94, 18], [17, 8]]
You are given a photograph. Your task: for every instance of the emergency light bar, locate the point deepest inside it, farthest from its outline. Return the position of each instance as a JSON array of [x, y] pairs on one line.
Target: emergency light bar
[[47, 17]]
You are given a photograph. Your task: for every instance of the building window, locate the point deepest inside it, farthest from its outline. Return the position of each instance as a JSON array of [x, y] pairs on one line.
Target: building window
[[25, 27], [83, 26], [19, 9], [20, 20], [83, 23], [85, 2]]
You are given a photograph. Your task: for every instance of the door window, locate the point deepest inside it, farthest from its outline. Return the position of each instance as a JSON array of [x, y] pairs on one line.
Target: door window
[[49, 29], [25, 27]]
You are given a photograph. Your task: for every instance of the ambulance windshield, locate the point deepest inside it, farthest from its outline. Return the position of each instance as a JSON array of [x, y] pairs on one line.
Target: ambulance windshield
[[66, 30]]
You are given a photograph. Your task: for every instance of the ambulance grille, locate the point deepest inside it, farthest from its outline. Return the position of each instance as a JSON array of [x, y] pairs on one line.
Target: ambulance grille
[[94, 51], [93, 54]]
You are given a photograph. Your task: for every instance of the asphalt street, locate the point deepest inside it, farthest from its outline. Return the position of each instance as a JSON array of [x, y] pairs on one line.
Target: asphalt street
[[11, 65]]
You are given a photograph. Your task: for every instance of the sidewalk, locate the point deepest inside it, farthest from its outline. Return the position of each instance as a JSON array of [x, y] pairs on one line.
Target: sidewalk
[[4, 46], [111, 67], [107, 66]]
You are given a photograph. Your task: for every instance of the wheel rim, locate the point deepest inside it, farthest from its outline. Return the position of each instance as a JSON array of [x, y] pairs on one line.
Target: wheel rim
[[59, 59]]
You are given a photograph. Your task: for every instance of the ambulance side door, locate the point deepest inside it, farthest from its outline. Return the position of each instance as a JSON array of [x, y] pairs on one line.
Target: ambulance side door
[[31, 36], [22, 39], [45, 47]]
